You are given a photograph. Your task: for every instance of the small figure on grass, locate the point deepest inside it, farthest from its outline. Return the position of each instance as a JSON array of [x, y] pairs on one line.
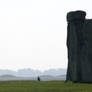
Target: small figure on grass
[[38, 78]]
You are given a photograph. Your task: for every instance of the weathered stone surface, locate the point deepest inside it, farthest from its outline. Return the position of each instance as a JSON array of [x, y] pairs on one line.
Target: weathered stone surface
[[79, 46]]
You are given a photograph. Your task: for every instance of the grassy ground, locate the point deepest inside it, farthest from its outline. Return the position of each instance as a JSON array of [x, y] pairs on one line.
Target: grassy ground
[[35, 86]]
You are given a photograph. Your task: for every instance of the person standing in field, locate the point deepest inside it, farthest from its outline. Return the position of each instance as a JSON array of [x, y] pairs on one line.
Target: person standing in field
[[38, 78]]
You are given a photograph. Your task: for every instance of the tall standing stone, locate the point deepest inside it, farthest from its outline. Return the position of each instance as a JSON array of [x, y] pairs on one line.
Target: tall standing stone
[[79, 46]]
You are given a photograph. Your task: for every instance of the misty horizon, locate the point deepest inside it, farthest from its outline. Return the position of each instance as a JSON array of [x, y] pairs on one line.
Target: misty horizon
[[33, 69], [31, 73]]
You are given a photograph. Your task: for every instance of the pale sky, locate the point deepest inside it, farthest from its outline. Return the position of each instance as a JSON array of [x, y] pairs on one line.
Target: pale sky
[[33, 32]]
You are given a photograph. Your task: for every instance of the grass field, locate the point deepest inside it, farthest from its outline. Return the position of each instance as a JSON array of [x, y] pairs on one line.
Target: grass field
[[51, 86]]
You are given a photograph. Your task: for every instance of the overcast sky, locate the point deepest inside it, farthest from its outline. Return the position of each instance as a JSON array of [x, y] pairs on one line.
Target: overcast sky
[[33, 32]]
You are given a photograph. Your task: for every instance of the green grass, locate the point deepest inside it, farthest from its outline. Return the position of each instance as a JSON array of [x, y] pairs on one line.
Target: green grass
[[51, 86]]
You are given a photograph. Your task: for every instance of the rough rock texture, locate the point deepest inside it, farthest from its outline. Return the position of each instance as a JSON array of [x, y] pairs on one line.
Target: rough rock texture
[[79, 46]]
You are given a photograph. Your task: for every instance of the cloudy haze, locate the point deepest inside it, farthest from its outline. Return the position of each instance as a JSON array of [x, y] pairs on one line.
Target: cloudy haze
[[33, 32]]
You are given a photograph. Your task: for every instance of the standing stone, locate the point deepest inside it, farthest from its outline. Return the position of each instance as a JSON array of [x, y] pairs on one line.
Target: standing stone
[[79, 46]]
